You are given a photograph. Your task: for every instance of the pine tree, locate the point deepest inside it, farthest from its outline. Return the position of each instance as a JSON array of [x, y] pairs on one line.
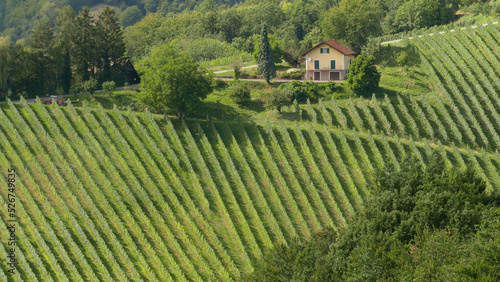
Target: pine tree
[[84, 45], [64, 33], [41, 43], [110, 45], [265, 60]]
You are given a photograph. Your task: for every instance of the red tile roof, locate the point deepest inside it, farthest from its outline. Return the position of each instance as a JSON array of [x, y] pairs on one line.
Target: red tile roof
[[335, 45]]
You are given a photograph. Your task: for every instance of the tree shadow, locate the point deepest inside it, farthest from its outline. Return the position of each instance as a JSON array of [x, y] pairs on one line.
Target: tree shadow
[[387, 55], [218, 111], [379, 92]]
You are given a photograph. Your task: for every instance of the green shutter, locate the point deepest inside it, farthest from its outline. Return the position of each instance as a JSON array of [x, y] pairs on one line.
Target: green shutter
[[316, 64], [332, 64]]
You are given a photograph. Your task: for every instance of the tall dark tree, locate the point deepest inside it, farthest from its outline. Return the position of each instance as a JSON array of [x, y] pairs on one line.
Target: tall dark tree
[[5, 61], [41, 43], [64, 33], [84, 45], [265, 60], [110, 45]]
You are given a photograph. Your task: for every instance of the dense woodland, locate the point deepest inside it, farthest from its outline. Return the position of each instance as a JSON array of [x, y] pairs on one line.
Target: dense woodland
[[55, 46]]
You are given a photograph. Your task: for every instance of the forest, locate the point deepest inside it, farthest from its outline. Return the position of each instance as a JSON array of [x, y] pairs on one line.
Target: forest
[[51, 46]]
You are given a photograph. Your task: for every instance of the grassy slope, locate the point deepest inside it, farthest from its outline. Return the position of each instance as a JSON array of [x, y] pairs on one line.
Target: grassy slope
[[198, 200], [116, 195]]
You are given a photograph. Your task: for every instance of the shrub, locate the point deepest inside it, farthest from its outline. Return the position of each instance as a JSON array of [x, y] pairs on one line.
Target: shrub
[[312, 90], [108, 87], [284, 75], [241, 94], [294, 70], [277, 98], [301, 91], [330, 86], [244, 73], [363, 75], [297, 75], [90, 86], [219, 83]]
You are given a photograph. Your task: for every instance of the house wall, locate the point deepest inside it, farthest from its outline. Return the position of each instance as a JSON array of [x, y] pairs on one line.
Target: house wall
[[324, 59], [325, 74], [346, 60]]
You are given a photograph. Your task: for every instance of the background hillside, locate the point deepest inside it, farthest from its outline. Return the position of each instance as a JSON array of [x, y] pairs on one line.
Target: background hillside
[[106, 194], [17, 17]]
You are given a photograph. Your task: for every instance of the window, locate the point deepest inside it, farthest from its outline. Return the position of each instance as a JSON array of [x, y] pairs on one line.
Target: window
[[334, 75], [333, 64], [316, 64], [325, 50], [350, 61]]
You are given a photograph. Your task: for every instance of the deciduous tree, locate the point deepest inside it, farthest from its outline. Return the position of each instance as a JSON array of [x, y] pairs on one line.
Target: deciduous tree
[[363, 74], [352, 22], [173, 80]]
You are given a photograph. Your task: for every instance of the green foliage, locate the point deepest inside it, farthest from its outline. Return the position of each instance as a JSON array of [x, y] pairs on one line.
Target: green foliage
[[352, 22], [90, 86], [363, 74], [419, 224], [110, 47], [241, 94], [294, 262], [172, 80], [266, 66], [108, 87], [277, 98], [275, 46], [402, 59], [83, 51], [130, 16], [301, 91]]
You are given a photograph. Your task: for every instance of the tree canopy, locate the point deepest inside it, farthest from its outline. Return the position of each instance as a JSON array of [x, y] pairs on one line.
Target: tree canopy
[[363, 74], [352, 22], [172, 80], [422, 223]]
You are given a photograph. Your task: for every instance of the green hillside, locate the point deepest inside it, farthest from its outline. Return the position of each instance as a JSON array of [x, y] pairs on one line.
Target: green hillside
[[196, 200], [112, 195]]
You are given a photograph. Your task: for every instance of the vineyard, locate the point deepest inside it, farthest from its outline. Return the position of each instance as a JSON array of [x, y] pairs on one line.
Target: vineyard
[[112, 195]]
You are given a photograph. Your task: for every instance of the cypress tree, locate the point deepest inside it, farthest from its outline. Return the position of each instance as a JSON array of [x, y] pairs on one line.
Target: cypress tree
[[265, 60]]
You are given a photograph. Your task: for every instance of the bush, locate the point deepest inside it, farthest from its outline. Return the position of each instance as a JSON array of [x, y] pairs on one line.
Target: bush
[[297, 75], [284, 75], [277, 98], [244, 73], [241, 94], [363, 74], [301, 91], [90, 86], [219, 84], [330, 86], [312, 90], [108, 87], [294, 70]]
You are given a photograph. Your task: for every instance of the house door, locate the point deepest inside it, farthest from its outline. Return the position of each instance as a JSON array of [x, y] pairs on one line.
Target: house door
[[334, 75], [317, 75]]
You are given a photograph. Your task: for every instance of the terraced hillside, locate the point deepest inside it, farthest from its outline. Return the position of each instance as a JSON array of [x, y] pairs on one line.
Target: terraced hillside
[[112, 195]]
